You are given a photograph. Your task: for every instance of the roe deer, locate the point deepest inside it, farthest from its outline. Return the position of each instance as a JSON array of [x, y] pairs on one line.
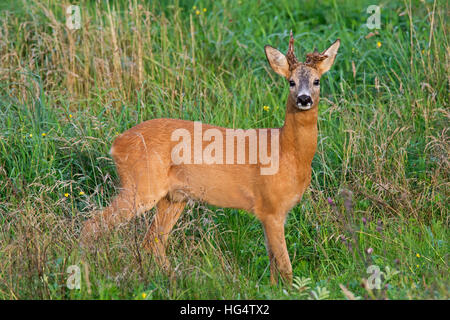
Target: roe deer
[[149, 176]]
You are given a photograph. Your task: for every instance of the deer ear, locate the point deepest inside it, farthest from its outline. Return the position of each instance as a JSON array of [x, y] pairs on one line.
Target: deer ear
[[277, 61], [325, 65]]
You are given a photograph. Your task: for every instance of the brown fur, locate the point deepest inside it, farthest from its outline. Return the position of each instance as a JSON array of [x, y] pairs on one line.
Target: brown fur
[[148, 178]]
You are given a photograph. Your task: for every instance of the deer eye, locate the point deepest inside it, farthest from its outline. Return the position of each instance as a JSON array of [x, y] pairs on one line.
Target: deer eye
[[316, 82], [292, 83]]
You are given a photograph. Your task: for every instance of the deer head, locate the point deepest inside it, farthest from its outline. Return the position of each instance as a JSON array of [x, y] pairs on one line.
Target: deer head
[[303, 77]]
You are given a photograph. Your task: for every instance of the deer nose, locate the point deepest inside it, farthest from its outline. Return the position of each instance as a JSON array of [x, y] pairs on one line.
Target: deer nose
[[304, 100]]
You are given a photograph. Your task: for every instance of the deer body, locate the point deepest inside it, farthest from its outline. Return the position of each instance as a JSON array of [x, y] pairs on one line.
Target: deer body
[[149, 177]]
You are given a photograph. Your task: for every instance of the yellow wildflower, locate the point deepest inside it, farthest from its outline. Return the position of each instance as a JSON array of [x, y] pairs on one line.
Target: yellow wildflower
[[378, 44], [144, 295], [70, 116], [44, 134], [81, 193], [197, 12], [194, 7], [156, 240], [266, 108], [204, 9], [31, 135], [417, 255], [66, 195]]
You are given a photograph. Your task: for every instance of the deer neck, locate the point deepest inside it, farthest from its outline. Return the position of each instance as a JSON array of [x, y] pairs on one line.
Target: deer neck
[[298, 137]]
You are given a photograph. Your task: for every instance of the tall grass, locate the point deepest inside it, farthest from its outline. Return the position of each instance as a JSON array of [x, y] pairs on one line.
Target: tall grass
[[380, 175]]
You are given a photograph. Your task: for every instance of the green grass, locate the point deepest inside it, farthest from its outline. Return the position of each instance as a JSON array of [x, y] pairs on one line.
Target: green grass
[[383, 135]]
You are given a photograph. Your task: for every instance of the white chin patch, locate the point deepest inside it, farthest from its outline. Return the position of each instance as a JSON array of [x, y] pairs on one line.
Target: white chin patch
[[301, 107]]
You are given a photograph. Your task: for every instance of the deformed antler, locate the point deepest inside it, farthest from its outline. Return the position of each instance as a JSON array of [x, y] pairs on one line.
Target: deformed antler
[[312, 59], [290, 56]]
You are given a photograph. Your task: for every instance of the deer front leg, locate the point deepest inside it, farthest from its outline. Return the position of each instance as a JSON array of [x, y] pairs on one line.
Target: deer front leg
[[277, 250]]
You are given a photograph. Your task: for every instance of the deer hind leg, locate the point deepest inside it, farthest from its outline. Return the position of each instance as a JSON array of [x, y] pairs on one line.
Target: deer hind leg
[[277, 250], [123, 208], [136, 196], [155, 241]]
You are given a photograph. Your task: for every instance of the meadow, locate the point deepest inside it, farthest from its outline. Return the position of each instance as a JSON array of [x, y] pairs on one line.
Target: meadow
[[380, 182]]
